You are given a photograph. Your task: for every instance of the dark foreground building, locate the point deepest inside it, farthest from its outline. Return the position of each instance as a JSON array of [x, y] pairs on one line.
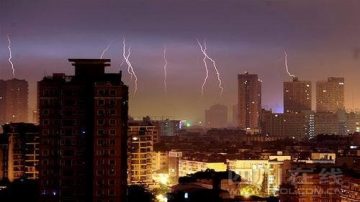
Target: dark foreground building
[[83, 127]]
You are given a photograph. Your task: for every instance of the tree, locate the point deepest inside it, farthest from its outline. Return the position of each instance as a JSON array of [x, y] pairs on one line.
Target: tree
[[264, 184], [138, 193]]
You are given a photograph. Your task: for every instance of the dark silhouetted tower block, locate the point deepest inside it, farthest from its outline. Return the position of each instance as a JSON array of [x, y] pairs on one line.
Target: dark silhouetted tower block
[[330, 95], [216, 116], [83, 123], [249, 100], [2, 101], [297, 96], [13, 101]]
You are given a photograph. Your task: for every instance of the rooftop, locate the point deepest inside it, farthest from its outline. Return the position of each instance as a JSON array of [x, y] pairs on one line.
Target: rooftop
[[103, 62]]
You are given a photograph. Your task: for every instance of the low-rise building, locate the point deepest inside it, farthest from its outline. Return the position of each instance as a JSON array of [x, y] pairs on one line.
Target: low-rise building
[[323, 156], [312, 184], [350, 189], [264, 175], [207, 185], [160, 161], [21, 152], [200, 162]]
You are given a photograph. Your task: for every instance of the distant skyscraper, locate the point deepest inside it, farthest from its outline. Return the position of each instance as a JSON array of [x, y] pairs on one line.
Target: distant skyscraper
[[167, 127], [13, 101], [297, 96], [330, 95], [2, 101], [249, 100], [83, 127], [235, 115], [216, 116]]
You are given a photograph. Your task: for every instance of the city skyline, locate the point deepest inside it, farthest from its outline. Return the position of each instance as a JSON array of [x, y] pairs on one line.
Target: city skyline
[[317, 47], [179, 100]]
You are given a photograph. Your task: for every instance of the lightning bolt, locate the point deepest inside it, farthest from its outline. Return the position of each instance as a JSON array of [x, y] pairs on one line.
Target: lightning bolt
[[203, 49], [165, 70], [122, 62], [105, 50], [130, 69], [286, 65], [10, 56], [126, 56], [206, 56]]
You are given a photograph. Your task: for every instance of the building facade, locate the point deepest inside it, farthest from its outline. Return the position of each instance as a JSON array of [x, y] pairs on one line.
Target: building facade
[[190, 166], [216, 116], [2, 101], [262, 175], [350, 189], [21, 153], [160, 161], [141, 147], [167, 127], [330, 95], [297, 96], [293, 125], [83, 127], [13, 101], [249, 100], [352, 122], [174, 158]]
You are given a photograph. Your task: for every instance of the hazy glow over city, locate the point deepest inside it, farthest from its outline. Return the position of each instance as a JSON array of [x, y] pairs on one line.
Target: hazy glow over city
[[179, 100], [321, 39]]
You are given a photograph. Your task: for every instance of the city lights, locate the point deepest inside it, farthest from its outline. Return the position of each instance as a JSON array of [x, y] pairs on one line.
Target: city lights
[[179, 101]]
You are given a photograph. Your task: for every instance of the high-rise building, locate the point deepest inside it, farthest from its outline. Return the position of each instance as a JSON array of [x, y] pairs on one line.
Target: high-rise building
[[295, 125], [174, 158], [235, 115], [167, 127], [216, 116], [249, 100], [297, 96], [16, 99], [332, 123], [83, 134], [272, 124], [141, 147], [330, 95], [352, 122], [3, 156], [308, 124], [13, 101], [21, 153]]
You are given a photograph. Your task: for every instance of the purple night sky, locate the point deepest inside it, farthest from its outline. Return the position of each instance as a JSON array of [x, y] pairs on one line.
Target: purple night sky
[[321, 37]]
